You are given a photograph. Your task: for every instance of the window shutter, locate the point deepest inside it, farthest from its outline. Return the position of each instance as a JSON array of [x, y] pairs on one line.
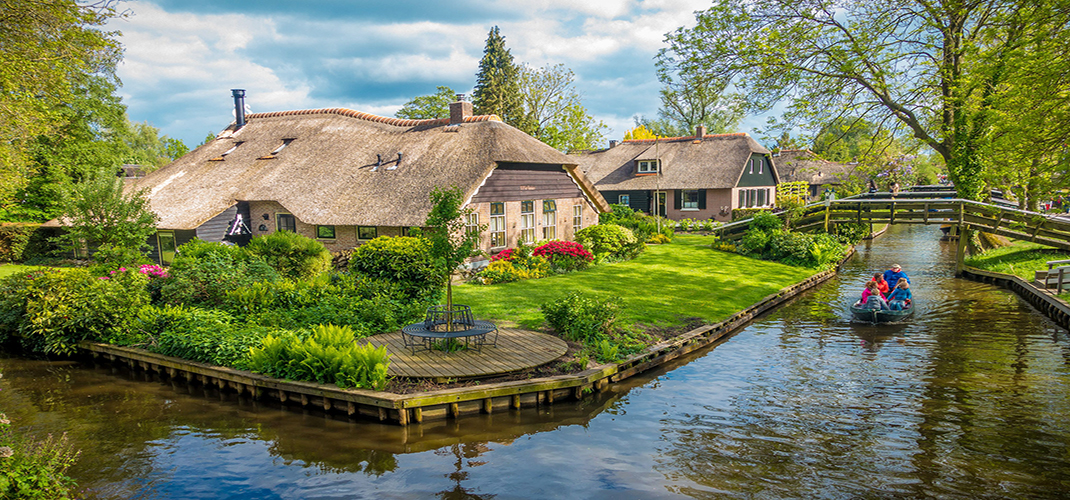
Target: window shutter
[[702, 199], [676, 199]]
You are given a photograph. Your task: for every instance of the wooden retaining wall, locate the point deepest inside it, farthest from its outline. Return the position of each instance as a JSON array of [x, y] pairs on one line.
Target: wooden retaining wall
[[405, 409], [1045, 301]]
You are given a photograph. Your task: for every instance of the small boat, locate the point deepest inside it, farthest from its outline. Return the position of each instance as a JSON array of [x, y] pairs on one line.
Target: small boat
[[880, 315]]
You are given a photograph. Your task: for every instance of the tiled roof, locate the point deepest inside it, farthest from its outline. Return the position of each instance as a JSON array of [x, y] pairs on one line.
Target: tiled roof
[[398, 122]]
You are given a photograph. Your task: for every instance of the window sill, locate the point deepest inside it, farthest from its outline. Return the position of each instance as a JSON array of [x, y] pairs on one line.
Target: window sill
[[689, 209]]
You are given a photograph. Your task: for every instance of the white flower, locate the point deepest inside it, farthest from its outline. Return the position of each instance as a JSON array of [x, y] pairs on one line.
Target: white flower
[[6, 451]]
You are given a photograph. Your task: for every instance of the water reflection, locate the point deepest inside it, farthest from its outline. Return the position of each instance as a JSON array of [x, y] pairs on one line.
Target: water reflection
[[968, 399]]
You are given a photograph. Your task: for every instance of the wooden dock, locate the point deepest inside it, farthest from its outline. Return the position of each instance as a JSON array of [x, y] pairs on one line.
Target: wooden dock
[[516, 350]]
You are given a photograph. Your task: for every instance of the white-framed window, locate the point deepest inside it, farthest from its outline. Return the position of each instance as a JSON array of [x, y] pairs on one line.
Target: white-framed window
[[471, 222], [497, 225], [165, 245], [751, 165], [549, 219], [624, 199], [527, 221], [577, 217], [648, 166], [761, 165], [689, 199], [742, 198]]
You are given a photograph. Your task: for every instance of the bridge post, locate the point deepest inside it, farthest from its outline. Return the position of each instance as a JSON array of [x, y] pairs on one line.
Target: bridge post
[[827, 202], [960, 251]]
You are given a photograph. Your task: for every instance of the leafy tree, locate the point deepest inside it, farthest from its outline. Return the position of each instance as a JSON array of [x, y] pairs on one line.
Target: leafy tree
[[497, 89], [50, 49], [98, 213], [142, 144], [553, 112], [640, 132], [931, 68], [451, 242], [691, 100], [426, 107]]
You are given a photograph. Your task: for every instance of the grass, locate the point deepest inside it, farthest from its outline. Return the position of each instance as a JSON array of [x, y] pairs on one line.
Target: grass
[[1021, 259], [9, 269], [668, 285]]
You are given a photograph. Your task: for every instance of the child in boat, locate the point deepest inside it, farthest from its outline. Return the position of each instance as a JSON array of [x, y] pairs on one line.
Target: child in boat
[[899, 299], [881, 284], [872, 298]]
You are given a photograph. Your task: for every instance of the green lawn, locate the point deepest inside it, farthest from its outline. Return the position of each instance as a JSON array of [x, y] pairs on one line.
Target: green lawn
[[664, 287], [9, 269], [1021, 259]]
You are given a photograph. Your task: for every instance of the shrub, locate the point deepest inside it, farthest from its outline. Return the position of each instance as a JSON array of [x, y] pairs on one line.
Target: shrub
[[766, 221], [21, 242], [327, 354], [203, 335], [32, 468], [606, 240], [291, 255], [51, 311], [852, 232], [565, 256], [203, 273], [403, 260], [519, 268], [581, 319], [659, 239]]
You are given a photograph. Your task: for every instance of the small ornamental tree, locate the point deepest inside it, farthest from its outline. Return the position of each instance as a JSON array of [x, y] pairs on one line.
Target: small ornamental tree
[[99, 214], [451, 241]]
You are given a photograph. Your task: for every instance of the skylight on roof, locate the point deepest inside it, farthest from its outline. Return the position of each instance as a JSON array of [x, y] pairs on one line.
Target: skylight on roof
[[232, 148]]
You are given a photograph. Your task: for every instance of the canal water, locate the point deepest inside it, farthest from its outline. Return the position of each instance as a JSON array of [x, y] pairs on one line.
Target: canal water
[[968, 400]]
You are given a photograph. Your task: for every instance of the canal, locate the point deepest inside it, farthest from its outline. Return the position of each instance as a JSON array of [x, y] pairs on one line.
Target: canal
[[969, 400]]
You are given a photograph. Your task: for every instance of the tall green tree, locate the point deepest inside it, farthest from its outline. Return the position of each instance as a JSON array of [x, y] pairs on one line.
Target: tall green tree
[[930, 68], [427, 107], [691, 100], [497, 90], [553, 111], [50, 50]]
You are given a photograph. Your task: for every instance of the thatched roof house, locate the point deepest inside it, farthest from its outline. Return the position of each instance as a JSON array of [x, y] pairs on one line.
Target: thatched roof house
[[803, 165], [699, 177], [345, 177]]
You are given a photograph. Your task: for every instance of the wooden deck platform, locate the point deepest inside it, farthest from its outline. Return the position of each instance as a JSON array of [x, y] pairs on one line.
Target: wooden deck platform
[[516, 350]]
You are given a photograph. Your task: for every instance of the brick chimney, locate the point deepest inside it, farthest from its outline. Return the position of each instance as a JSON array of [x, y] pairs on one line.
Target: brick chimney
[[612, 143], [700, 131], [460, 110]]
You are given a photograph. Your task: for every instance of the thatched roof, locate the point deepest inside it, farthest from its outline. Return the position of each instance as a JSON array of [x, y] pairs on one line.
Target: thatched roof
[[328, 174], [714, 162], [804, 165]]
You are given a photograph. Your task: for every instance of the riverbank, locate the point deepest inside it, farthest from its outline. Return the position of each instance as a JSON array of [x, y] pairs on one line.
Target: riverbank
[[405, 409]]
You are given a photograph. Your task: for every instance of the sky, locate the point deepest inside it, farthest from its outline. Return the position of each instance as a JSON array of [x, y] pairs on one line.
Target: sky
[[182, 57]]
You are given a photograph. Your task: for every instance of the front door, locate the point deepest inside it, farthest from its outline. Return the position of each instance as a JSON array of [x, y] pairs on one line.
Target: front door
[[659, 202]]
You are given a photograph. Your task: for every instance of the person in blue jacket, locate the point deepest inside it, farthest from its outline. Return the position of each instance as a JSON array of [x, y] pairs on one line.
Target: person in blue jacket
[[892, 275], [900, 297]]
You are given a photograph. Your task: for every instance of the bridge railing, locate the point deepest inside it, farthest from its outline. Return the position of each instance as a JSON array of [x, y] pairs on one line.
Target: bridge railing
[[1047, 229]]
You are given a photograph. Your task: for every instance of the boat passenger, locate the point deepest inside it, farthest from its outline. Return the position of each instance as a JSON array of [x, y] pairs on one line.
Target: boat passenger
[[881, 284], [899, 299], [892, 275], [872, 298]]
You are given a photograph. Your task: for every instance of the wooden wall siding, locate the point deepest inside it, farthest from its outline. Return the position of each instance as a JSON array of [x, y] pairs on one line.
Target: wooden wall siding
[[217, 226], [519, 185], [757, 180], [638, 200]]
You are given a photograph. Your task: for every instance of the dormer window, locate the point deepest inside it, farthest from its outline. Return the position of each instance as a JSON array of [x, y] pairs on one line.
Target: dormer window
[[285, 142], [227, 152], [648, 166]]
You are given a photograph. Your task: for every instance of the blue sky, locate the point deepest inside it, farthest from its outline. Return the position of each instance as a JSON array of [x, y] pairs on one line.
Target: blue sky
[[182, 57]]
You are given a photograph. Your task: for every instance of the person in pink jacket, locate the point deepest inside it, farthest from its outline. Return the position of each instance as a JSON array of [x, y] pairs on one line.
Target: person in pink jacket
[[872, 297]]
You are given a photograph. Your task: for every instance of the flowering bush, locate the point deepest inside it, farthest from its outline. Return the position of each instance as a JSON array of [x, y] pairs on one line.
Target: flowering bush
[[506, 255], [32, 468], [565, 256], [153, 271], [519, 268]]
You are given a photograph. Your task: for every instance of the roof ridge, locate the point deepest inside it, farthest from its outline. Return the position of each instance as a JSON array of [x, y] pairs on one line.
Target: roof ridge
[[683, 138], [397, 122]]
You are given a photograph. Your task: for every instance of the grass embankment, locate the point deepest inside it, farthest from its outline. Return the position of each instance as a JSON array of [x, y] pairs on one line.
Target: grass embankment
[[668, 285], [9, 269], [1021, 259]]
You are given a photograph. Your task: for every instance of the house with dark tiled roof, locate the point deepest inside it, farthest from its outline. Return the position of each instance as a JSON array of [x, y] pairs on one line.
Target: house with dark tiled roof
[[345, 177], [803, 165], [698, 177]]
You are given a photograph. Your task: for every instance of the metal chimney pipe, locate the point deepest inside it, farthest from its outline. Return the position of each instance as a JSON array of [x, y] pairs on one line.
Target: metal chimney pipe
[[239, 107]]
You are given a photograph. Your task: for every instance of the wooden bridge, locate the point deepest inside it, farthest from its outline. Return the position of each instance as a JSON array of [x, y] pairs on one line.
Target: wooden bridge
[[916, 208]]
